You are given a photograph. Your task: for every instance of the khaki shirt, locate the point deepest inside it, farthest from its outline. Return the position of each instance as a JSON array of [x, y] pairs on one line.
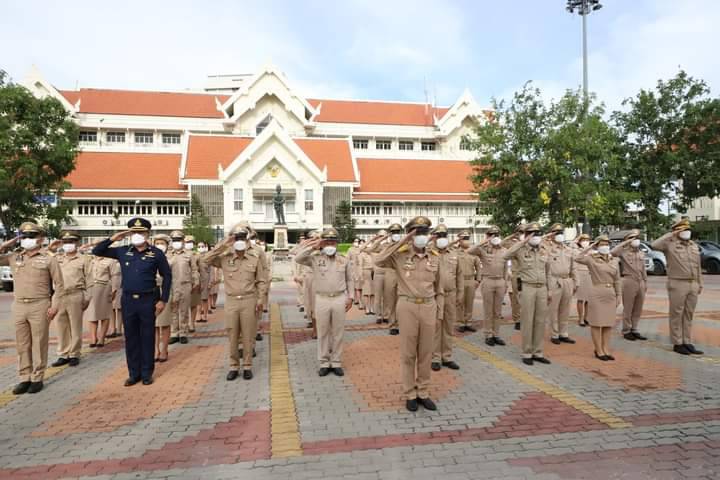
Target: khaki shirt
[[184, 268], [330, 275], [470, 265], [365, 261], [243, 275], [115, 276], [101, 270], [418, 274], [34, 274], [604, 270], [632, 262], [76, 270], [374, 248], [530, 264], [576, 252], [683, 257], [494, 264], [562, 263], [509, 243], [452, 275]]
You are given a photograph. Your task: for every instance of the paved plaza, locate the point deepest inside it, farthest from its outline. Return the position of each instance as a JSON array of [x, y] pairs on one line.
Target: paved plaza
[[651, 414]]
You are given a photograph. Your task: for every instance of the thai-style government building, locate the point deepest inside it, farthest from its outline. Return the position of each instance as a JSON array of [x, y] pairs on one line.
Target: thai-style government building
[[148, 152]]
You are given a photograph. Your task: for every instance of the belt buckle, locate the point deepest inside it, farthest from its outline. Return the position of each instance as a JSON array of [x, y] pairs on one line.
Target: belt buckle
[[419, 301], [135, 296], [26, 300]]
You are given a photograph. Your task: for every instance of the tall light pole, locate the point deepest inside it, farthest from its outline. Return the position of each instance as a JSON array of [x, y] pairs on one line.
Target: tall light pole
[[584, 8]]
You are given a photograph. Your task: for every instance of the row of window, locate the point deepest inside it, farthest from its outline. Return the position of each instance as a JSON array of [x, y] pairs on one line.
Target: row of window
[[142, 138], [415, 209], [130, 208], [407, 145], [261, 203]]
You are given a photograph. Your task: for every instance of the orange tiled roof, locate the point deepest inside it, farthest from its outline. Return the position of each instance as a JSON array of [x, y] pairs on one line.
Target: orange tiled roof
[[136, 102], [116, 194], [126, 171], [206, 152], [412, 176], [383, 113], [363, 197]]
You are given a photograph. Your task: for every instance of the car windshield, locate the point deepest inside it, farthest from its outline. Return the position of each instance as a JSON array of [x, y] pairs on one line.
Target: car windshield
[[711, 245]]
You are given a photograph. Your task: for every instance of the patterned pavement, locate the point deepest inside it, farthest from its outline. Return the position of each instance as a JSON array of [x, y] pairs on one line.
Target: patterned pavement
[[651, 414]]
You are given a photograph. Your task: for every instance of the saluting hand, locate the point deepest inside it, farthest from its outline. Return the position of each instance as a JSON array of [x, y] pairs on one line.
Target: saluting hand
[[9, 243], [120, 235]]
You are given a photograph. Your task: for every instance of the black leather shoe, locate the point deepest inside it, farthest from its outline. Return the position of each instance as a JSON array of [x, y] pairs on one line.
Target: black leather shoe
[[147, 381], [490, 341], [323, 372], [610, 357], [541, 360], [470, 329], [527, 361], [339, 371], [630, 336], [247, 374], [601, 357], [302, 309], [427, 403], [378, 321], [681, 349], [638, 336], [35, 387], [386, 320], [60, 362], [74, 362], [412, 405], [499, 341], [556, 341], [691, 348], [517, 326], [567, 340], [21, 388], [461, 329], [451, 365], [232, 375], [258, 337], [435, 366], [394, 331], [131, 381], [183, 340], [173, 340]]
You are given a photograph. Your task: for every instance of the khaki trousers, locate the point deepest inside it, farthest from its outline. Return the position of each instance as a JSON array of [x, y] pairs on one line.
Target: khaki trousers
[[633, 294], [561, 290], [330, 314], [417, 332], [69, 323], [466, 302], [309, 296], [181, 317], [444, 329], [493, 292], [533, 312], [683, 299], [31, 338], [390, 298], [515, 300], [300, 295], [378, 284], [240, 322]]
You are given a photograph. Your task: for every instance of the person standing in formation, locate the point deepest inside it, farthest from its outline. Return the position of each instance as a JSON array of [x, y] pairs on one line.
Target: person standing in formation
[[582, 277], [195, 295], [395, 234], [185, 278], [605, 294], [354, 257], [298, 276], [332, 280], [116, 324], [164, 320], [451, 276], [245, 284], [517, 237], [530, 262], [472, 275], [420, 307], [372, 248], [561, 283], [102, 295], [634, 283], [366, 265], [217, 279], [205, 270], [35, 275], [494, 283], [685, 283]]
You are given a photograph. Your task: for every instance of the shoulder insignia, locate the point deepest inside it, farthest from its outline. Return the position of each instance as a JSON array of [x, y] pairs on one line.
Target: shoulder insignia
[[404, 248], [435, 252]]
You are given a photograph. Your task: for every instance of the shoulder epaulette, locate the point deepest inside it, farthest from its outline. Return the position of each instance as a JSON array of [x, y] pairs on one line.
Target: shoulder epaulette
[[404, 248]]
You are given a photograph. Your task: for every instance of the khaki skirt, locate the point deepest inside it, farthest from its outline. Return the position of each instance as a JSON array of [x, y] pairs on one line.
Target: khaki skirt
[[195, 299], [601, 306], [584, 284], [100, 307], [367, 282], [165, 318]]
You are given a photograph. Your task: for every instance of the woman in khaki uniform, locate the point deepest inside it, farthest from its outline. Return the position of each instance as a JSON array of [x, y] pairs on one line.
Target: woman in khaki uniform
[[366, 268], [604, 296], [116, 323], [582, 276], [164, 320], [205, 270], [101, 300]]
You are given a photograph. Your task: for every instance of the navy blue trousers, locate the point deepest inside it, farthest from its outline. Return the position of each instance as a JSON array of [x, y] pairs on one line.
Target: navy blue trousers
[[139, 322]]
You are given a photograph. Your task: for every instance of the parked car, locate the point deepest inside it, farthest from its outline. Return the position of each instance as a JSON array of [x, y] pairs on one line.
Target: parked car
[[655, 262], [710, 260], [6, 278], [709, 244]]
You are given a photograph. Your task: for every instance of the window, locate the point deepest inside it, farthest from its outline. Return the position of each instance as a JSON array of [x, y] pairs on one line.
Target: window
[[130, 208], [388, 210], [428, 146], [465, 144], [115, 137], [238, 199], [144, 137], [171, 208], [406, 145], [309, 204], [366, 209], [88, 137], [94, 208], [171, 138], [261, 126], [360, 143], [383, 144]]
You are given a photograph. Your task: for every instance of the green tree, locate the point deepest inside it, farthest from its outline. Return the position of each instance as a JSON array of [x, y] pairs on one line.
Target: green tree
[[344, 223], [38, 146], [671, 138], [197, 223]]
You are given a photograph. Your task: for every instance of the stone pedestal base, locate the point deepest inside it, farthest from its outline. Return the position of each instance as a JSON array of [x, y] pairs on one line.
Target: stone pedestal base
[[281, 237]]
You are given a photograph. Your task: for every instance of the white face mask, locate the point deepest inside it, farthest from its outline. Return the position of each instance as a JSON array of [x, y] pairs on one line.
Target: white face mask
[[560, 238], [28, 243], [535, 241], [420, 241], [604, 249], [69, 247], [395, 237], [161, 246], [635, 243], [253, 242], [329, 250], [240, 245], [442, 243], [202, 249], [177, 245], [584, 244], [357, 244], [495, 241], [189, 245], [137, 239], [685, 235]]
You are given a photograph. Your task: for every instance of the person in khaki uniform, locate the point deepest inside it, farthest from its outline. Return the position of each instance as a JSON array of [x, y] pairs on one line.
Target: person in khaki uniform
[[102, 295], [333, 285], [494, 282], [517, 237], [116, 323], [163, 322], [35, 275], [372, 248], [395, 233], [685, 283], [298, 274], [72, 301], [604, 296], [582, 279], [530, 262], [245, 284], [307, 283], [452, 285], [420, 307], [205, 272], [366, 265], [353, 255], [186, 277], [262, 255], [634, 283], [196, 293], [472, 275], [561, 283]]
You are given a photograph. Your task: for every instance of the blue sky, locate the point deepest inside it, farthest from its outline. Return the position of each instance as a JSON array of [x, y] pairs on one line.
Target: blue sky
[[367, 49]]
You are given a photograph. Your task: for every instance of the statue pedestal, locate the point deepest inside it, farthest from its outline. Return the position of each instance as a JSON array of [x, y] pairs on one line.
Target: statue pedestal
[[281, 239]]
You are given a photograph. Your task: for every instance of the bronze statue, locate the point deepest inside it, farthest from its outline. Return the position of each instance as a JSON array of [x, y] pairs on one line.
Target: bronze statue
[[279, 204]]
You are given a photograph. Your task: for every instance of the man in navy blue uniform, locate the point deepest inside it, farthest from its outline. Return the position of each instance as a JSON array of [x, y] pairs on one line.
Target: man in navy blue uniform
[[141, 302]]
